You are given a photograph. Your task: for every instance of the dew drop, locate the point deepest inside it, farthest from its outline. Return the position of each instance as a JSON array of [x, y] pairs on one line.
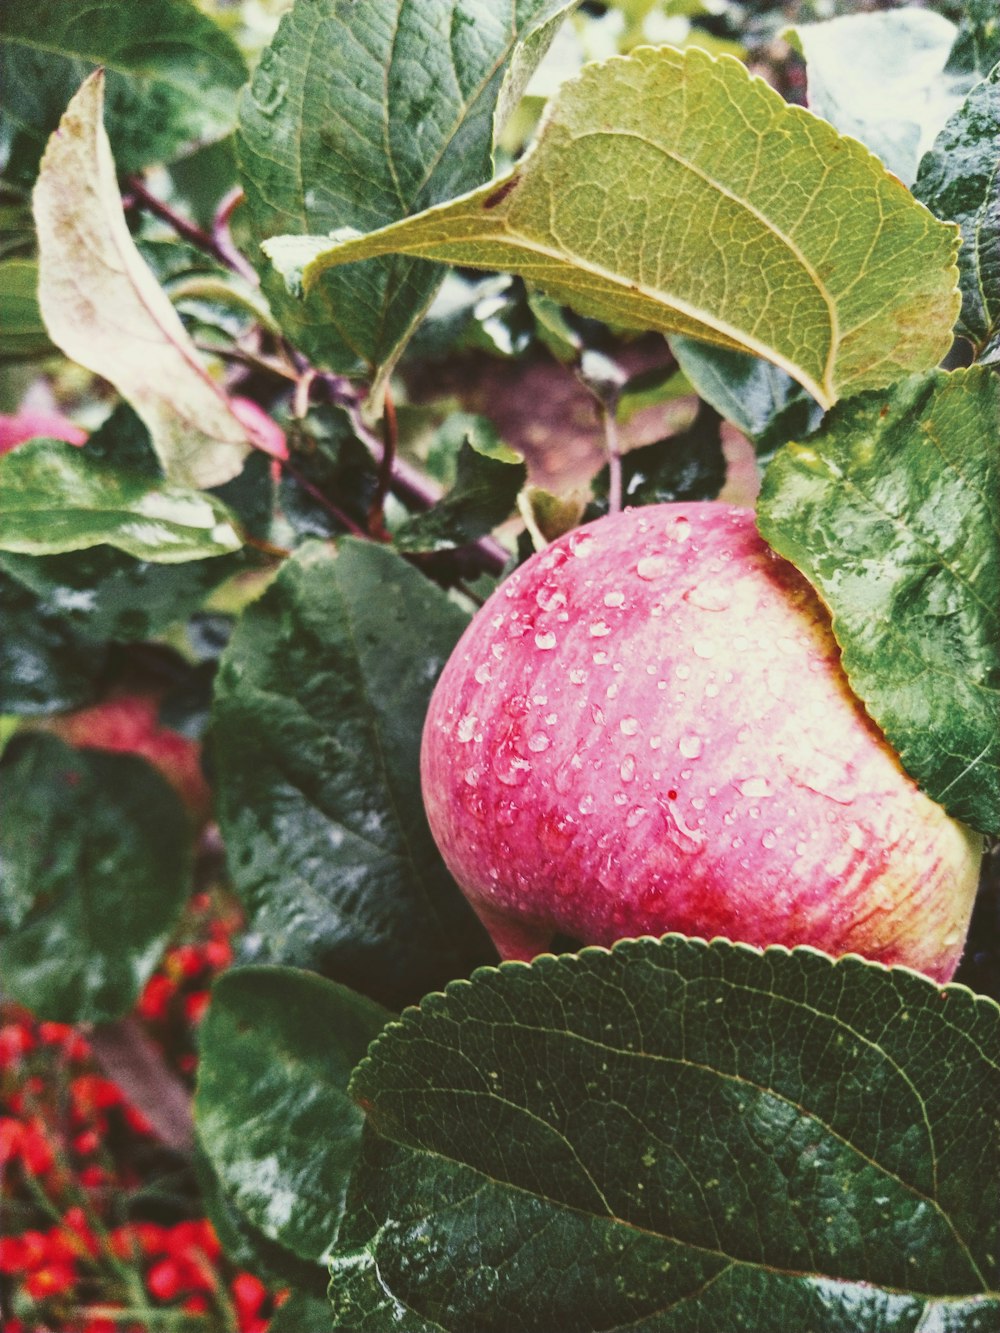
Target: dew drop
[[637, 813], [756, 786], [483, 674], [620, 798], [769, 839], [655, 742], [472, 777], [613, 690], [680, 531], [549, 598], [614, 599], [467, 728], [690, 746], [581, 544], [545, 639], [510, 768], [704, 648], [597, 714], [682, 671], [577, 676], [586, 806], [652, 567], [600, 658], [710, 595], [498, 651], [629, 726], [599, 629], [539, 743]]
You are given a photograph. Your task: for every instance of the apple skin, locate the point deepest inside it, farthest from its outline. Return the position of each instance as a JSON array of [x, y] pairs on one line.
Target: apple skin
[[129, 724], [647, 729]]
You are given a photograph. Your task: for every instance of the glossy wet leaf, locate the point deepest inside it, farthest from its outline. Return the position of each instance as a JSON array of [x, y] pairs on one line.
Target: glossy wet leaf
[[484, 494], [104, 309], [677, 1136], [977, 44], [361, 114], [46, 666], [892, 510], [687, 466], [880, 77], [320, 703], [761, 400], [329, 461], [959, 181], [276, 1053], [172, 83], [94, 871], [57, 499], [671, 191]]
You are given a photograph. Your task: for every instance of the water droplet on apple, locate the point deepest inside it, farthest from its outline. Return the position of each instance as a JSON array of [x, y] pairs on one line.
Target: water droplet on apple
[[680, 529], [507, 813], [510, 768], [655, 742], [690, 746], [620, 798], [545, 639], [637, 813], [597, 713], [710, 595], [685, 839], [539, 743], [581, 544], [599, 629], [549, 598], [769, 839], [471, 776], [652, 567], [586, 806], [753, 787], [577, 676], [629, 726], [682, 671], [627, 769], [614, 599], [600, 657], [613, 690], [467, 728], [704, 648], [483, 674]]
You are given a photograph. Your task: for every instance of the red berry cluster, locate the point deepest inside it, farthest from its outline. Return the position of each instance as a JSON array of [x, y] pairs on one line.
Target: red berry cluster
[[81, 1248]]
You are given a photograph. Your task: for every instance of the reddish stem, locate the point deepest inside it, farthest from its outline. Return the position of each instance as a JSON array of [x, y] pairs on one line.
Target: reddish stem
[[209, 242]]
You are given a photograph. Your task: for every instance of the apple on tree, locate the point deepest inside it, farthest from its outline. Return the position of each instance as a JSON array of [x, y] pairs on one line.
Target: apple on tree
[[647, 729]]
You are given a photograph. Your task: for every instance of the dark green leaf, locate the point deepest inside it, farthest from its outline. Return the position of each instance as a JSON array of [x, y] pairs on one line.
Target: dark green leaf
[[892, 511], [328, 458], [22, 332], [676, 1136], [302, 1313], [359, 115], [686, 466], [320, 703], [487, 481], [977, 45], [959, 181], [46, 666], [57, 498], [276, 1053], [94, 871], [172, 82], [759, 399]]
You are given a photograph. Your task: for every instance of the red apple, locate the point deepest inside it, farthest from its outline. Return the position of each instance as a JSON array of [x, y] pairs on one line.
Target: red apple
[[129, 724], [647, 729]]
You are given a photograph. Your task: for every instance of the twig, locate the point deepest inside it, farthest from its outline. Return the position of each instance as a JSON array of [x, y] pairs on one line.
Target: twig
[[386, 467], [131, 1060], [333, 510], [226, 254], [613, 448], [223, 239]]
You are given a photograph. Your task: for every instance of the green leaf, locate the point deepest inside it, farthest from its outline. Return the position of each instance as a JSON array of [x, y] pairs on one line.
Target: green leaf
[[959, 181], [687, 466], [977, 46], [22, 332], [57, 499], [360, 115], [758, 398], [486, 487], [892, 510], [46, 666], [302, 1313], [327, 457], [103, 307], [320, 703], [671, 191], [880, 77], [172, 82], [94, 871], [276, 1053], [677, 1136]]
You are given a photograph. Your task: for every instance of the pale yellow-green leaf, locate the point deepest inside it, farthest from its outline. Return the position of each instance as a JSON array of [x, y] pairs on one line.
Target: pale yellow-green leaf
[[104, 309], [673, 191]]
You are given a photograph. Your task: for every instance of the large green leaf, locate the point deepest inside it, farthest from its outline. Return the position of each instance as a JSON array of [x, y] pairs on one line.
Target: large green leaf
[[276, 1052], [959, 180], [360, 114], [46, 666], [172, 81], [320, 703], [103, 307], [56, 498], [676, 1136], [94, 871], [892, 510], [487, 481], [672, 191], [880, 77]]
